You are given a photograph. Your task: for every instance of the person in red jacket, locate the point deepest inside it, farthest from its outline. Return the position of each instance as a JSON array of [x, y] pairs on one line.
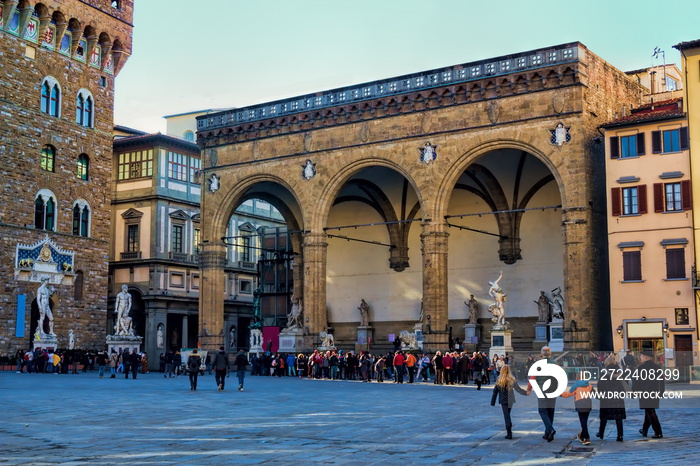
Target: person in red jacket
[[448, 367], [399, 366]]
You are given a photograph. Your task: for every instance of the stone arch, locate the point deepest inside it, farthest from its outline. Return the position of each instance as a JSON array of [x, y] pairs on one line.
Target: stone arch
[[231, 199], [456, 170], [334, 185]]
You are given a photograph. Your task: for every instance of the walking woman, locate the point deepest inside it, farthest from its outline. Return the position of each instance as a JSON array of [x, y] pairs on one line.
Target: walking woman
[[612, 403], [478, 366], [504, 390]]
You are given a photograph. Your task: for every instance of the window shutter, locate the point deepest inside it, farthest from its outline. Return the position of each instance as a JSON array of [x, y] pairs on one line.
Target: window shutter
[[656, 142], [675, 263], [616, 197], [659, 197], [684, 138], [686, 195], [642, 195], [640, 144], [632, 265], [614, 147]]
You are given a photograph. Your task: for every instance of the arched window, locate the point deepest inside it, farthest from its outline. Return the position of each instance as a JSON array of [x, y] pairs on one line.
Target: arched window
[[189, 136], [78, 285], [48, 157], [81, 218], [83, 166], [50, 96], [83, 108], [45, 210]]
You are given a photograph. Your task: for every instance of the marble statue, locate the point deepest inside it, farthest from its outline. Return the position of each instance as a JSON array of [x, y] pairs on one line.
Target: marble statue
[[364, 313], [408, 339], [71, 339], [473, 306], [122, 308], [232, 338], [557, 304], [543, 308], [421, 315], [43, 300], [497, 309], [294, 318], [159, 336], [327, 340]]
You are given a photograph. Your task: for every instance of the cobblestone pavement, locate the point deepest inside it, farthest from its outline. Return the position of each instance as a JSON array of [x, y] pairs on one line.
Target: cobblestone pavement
[[82, 419]]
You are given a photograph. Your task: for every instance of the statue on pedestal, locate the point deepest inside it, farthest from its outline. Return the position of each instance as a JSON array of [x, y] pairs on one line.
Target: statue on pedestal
[[159, 336], [408, 339], [294, 318], [327, 340], [257, 309], [497, 309], [71, 339], [43, 299], [123, 306], [473, 306], [232, 338], [364, 313], [557, 304], [543, 308]]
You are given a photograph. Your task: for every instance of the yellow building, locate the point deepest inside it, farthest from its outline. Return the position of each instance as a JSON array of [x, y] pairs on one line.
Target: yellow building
[[650, 232]]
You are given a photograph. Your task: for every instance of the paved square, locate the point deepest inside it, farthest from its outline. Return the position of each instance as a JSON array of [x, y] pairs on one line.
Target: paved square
[[81, 419]]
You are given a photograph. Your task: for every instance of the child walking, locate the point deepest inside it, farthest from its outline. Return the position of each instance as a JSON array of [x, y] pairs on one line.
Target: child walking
[[504, 392], [581, 391]]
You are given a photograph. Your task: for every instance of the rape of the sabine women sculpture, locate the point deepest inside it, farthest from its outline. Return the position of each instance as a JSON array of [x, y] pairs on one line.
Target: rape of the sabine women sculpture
[[497, 309]]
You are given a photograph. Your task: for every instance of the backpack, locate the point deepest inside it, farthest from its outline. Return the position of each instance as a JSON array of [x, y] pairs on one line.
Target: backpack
[[193, 363]]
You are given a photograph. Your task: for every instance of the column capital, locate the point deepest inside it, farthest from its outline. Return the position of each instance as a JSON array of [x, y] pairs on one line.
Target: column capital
[[212, 255]]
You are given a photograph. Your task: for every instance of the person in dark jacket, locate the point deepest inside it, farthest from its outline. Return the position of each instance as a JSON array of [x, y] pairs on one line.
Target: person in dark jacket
[[194, 362], [612, 403], [221, 367], [545, 406], [135, 363], [478, 368], [126, 362], [654, 388], [240, 362], [504, 390]]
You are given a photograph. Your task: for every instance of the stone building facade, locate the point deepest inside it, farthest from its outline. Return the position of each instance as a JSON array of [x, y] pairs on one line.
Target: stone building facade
[[439, 180], [58, 63], [155, 231], [483, 142]]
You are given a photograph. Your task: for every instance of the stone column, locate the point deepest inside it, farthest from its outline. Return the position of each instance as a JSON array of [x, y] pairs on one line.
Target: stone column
[[315, 252], [580, 292], [212, 258], [434, 249]]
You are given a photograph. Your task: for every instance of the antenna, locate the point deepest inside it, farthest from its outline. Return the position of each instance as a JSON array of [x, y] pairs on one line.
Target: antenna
[[657, 52]]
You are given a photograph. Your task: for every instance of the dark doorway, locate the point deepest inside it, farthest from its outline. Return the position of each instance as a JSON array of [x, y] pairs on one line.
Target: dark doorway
[[684, 355]]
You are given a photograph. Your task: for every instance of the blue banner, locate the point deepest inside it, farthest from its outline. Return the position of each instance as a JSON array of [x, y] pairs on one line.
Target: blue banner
[[21, 306]]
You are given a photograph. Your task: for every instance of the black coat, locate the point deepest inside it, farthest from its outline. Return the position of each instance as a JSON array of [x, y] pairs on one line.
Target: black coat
[[645, 384], [506, 396], [611, 407]]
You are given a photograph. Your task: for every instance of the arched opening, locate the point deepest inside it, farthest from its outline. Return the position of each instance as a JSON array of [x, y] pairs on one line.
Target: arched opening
[[374, 253], [504, 215]]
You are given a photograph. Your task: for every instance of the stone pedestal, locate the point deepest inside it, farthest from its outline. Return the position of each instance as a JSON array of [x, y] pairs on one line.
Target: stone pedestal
[[365, 336], [472, 335], [122, 342], [500, 342], [291, 340], [556, 335], [45, 341], [255, 341], [540, 336]]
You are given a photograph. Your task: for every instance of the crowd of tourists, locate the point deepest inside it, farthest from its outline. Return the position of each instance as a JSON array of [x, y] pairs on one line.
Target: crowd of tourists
[[73, 361]]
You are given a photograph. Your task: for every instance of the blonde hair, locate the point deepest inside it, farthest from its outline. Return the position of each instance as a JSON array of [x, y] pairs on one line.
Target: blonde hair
[[506, 379]]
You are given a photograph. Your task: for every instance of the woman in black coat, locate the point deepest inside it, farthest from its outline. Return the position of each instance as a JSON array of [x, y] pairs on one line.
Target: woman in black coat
[[479, 367], [612, 403]]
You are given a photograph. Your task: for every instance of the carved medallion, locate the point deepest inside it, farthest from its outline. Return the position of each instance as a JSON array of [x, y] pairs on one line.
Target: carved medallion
[[308, 170], [426, 123], [364, 132], [214, 183], [558, 102], [494, 112], [428, 153]]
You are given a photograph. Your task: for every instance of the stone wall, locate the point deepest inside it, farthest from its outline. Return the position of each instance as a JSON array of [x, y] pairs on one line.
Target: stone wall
[[24, 130]]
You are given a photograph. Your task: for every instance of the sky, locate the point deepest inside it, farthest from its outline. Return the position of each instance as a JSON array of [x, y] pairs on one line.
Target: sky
[[192, 55]]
